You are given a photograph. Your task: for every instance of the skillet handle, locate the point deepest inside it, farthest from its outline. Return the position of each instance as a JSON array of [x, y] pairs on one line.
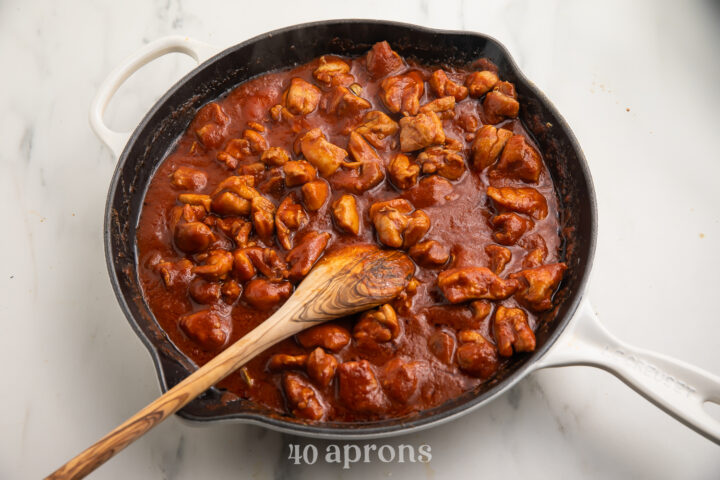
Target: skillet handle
[[116, 140], [674, 386]]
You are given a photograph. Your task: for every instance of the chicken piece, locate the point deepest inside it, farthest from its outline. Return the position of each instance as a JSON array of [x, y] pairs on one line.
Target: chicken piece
[[442, 345], [444, 107], [185, 214], [301, 97], [238, 148], [235, 228], [213, 123], [332, 71], [298, 172], [538, 285], [195, 199], [420, 131], [429, 254], [363, 174], [395, 226], [432, 190], [282, 361], [537, 251], [402, 93], [404, 301], [376, 127], [476, 356], [231, 291], [345, 214], [306, 252], [403, 173], [256, 141], [479, 83], [417, 226], [474, 283], [290, 217], [267, 261], [524, 200], [176, 275], [263, 218], [326, 335], [206, 328], [325, 156], [275, 157], [501, 103], [192, 237], [376, 326], [243, 267], [512, 331], [489, 142], [204, 292], [187, 178], [217, 265], [280, 113], [265, 295], [382, 60], [303, 400], [446, 163], [229, 204], [389, 224], [519, 160], [499, 257], [480, 310], [315, 193], [509, 227], [400, 379], [321, 367], [441, 85], [342, 102], [359, 388], [239, 184]]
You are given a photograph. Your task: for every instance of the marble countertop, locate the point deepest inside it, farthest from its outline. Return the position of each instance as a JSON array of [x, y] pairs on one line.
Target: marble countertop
[[636, 80]]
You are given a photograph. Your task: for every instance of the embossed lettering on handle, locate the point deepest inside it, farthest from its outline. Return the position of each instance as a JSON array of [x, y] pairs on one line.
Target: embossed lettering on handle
[[674, 386]]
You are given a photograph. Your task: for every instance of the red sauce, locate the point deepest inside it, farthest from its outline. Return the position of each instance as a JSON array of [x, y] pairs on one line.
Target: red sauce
[[437, 350]]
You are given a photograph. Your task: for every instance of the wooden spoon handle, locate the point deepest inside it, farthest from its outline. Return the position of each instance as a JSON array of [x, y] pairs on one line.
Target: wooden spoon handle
[[173, 400], [352, 280]]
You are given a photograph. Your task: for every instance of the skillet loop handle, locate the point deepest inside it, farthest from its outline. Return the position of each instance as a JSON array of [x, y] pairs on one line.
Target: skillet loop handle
[[674, 386], [174, 44]]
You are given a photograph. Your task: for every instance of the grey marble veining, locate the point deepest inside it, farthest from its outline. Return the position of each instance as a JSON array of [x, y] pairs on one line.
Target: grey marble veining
[[636, 80]]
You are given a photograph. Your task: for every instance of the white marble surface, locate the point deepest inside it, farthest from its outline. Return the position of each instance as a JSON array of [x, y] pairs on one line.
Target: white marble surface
[[636, 80]]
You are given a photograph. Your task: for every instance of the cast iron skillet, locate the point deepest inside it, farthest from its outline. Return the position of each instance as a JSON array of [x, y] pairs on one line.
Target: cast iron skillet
[[156, 134]]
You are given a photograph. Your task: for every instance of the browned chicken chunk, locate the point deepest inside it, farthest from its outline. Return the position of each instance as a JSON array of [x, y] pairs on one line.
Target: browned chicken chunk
[[301, 97], [359, 388], [519, 160], [487, 145], [524, 200], [512, 331], [538, 285], [418, 132], [304, 401], [442, 86], [326, 335], [474, 283], [402, 93], [206, 328], [382, 60]]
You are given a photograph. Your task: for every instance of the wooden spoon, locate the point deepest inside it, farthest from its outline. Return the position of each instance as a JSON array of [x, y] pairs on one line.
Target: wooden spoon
[[347, 281]]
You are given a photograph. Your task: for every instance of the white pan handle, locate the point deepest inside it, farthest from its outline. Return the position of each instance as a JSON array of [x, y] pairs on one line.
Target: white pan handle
[[676, 387], [116, 140]]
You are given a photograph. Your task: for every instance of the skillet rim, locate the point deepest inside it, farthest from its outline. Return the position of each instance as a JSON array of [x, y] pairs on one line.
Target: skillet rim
[[353, 431]]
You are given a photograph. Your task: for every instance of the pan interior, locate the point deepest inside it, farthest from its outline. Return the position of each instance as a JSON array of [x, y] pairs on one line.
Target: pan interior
[[168, 119]]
